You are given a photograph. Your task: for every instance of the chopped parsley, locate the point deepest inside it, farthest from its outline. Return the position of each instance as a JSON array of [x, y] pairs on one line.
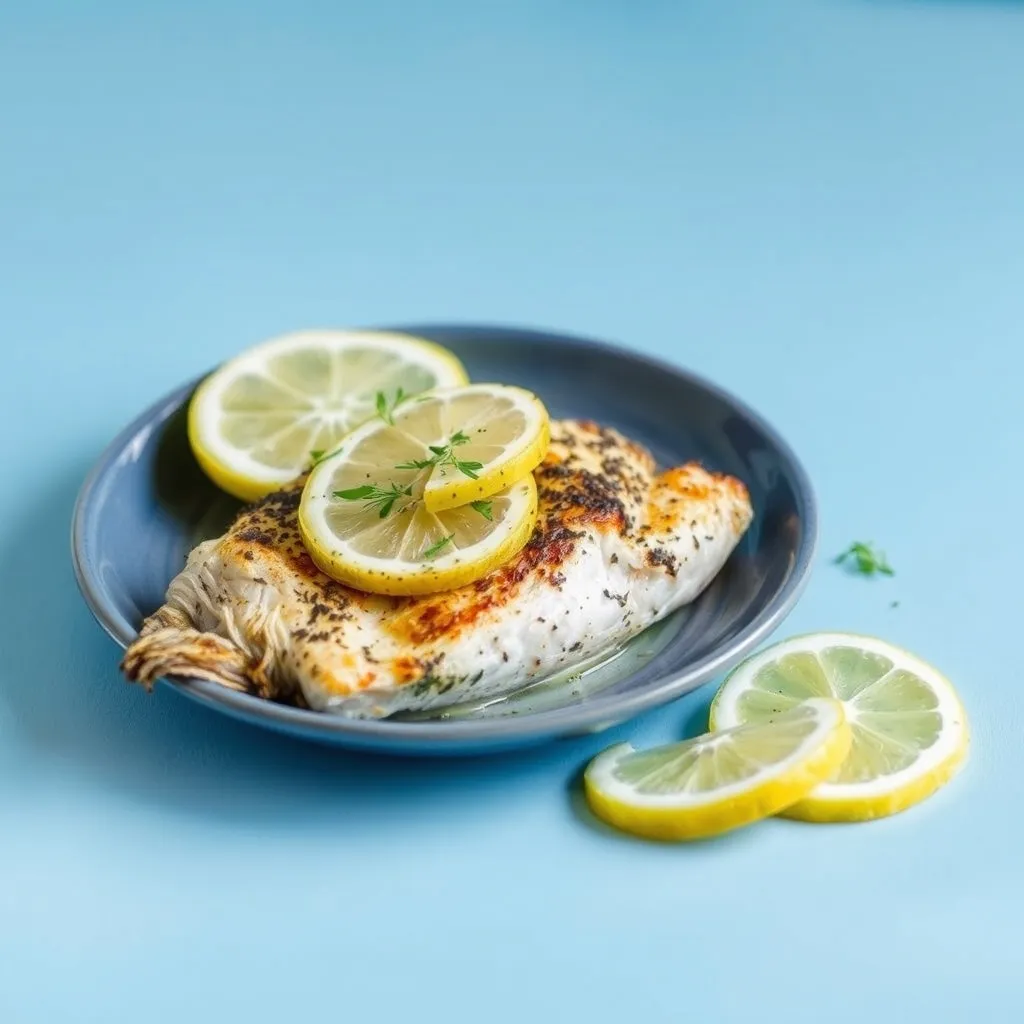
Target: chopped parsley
[[439, 546], [865, 559], [485, 508], [386, 408]]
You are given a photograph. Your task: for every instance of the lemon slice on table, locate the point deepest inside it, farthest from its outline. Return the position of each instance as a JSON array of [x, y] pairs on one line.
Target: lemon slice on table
[[908, 726], [719, 781], [258, 421], [364, 514]]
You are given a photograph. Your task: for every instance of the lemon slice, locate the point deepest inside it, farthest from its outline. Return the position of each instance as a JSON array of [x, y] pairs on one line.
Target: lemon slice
[[719, 781], [474, 441], [255, 423], [908, 725], [367, 525]]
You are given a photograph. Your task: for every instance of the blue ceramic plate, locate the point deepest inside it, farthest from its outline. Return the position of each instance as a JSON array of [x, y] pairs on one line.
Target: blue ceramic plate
[[146, 504]]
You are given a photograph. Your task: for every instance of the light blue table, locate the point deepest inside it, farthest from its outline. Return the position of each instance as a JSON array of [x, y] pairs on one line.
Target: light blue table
[[818, 204]]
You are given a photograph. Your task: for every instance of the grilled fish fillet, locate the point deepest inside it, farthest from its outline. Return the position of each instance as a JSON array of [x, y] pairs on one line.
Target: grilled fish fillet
[[617, 547]]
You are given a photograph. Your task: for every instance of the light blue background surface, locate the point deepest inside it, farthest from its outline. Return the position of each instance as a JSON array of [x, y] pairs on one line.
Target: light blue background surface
[[818, 204]]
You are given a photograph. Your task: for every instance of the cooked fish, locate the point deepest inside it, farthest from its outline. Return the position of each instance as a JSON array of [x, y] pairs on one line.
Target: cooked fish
[[617, 547]]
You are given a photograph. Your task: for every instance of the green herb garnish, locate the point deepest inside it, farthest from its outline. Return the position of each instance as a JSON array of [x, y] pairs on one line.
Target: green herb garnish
[[444, 455], [865, 559], [416, 464], [379, 498], [485, 508], [317, 455], [470, 469], [439, 546], [386, 409]]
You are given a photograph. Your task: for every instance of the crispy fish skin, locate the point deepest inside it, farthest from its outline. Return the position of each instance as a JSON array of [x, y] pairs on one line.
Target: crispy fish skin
[[617, 547]]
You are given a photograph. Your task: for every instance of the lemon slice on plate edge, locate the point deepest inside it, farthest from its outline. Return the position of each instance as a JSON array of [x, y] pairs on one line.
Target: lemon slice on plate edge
[[255, 422], [909, 729], [719, 781]]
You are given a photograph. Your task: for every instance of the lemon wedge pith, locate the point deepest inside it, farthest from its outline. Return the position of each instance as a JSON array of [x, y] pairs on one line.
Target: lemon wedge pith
[[908, 727], [719, 781], [257, 422]]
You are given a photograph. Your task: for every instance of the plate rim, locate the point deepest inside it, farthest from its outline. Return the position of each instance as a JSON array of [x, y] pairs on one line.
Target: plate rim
[[571, 719]]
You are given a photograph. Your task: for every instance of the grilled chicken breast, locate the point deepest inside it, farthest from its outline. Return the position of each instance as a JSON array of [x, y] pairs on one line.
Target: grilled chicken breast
[[617, 546]]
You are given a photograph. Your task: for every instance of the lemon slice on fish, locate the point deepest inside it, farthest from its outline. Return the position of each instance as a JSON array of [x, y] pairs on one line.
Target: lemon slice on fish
[[382, 539], [909, 730], [259, 421], [719, 781], [475, 440], [364, 514]]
